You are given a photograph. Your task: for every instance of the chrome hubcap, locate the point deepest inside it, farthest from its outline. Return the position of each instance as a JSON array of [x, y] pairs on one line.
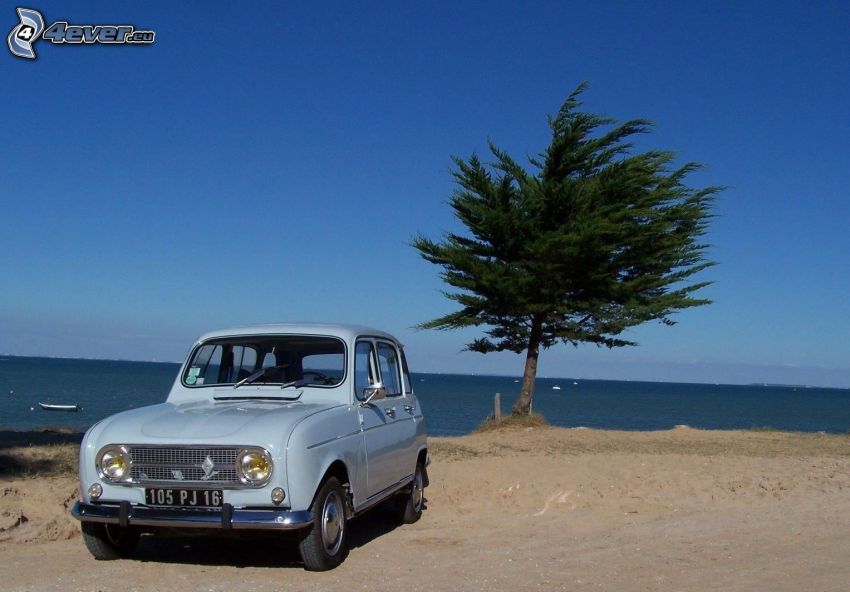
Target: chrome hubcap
[[333, 523], [417, 493]]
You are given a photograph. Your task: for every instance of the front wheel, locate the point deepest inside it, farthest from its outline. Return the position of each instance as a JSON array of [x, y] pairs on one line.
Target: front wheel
[[410, 504], [108, 541], [325, 545]]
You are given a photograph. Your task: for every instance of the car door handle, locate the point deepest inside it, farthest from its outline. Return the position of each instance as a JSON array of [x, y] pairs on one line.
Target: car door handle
[[390, 411], [410, 409]]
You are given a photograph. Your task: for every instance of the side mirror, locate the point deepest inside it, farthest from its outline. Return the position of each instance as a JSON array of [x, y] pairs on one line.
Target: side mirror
[[375, 392]]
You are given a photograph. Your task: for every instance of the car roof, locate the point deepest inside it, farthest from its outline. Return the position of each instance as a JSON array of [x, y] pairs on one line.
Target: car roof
[[346, 332]]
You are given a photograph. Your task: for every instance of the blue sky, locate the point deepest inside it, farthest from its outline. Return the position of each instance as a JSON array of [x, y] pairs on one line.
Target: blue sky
[[272, 163]]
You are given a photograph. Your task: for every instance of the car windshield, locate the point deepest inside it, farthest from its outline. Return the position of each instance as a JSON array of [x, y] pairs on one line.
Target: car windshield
[[283, 360]]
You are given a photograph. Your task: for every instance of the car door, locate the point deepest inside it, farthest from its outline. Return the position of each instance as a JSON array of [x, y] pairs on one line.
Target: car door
[[376, 421], [401, 407], [412, 429]]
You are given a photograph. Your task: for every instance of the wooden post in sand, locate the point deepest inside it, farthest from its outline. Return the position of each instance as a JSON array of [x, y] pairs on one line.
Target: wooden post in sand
[[497, 407]]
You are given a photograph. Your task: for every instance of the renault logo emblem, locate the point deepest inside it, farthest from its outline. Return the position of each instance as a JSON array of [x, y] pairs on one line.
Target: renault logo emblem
[[208, 465]]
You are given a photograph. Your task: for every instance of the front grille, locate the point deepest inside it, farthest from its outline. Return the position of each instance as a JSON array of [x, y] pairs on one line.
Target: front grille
[[183, 464]]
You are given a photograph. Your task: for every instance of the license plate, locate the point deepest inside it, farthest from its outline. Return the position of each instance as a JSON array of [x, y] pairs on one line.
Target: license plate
[[183, 498]]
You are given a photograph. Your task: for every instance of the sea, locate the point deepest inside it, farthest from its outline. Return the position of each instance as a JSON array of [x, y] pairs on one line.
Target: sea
[[454, 404]]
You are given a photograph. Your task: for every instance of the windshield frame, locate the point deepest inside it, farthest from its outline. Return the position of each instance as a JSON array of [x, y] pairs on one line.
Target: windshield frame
[[255, 385]]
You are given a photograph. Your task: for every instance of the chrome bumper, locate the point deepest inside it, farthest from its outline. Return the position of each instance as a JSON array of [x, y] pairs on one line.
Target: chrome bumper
[[127, 514]]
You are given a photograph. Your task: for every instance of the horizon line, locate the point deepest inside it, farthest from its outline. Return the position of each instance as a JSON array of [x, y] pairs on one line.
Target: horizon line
[[751, 384]]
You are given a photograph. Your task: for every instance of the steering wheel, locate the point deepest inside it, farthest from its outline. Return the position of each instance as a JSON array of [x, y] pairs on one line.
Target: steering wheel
[[270, 371], [320, 376]]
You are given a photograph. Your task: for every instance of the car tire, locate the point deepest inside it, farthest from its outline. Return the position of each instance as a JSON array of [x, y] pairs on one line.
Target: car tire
[[411, 504], [108, 541], [325, 545]]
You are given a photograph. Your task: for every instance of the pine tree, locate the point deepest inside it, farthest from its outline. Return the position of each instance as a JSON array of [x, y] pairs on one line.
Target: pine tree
[[590, 241]]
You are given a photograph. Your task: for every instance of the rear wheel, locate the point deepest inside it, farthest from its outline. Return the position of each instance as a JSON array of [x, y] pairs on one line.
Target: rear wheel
[[109, 541], [325, 545], [410, 504]]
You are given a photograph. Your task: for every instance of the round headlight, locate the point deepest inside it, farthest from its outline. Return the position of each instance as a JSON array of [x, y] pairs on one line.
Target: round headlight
[[254, 467], [114, 463]]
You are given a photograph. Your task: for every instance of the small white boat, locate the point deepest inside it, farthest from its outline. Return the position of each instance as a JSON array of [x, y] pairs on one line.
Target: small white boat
[[575, 382], [556, 388], [57, 407]]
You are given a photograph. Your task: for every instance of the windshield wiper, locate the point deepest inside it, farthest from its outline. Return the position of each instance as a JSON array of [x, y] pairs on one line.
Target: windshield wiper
[[261, 373], [264, 372], [250, 378]]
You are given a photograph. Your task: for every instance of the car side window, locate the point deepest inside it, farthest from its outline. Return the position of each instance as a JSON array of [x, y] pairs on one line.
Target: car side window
[[388, 361], [405, 374], [364, 367]]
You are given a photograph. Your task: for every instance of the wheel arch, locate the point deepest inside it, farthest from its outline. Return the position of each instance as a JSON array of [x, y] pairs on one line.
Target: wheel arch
[[337, 468]]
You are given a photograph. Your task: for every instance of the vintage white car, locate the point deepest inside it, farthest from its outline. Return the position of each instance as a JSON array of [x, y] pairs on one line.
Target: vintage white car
[[281, 427]]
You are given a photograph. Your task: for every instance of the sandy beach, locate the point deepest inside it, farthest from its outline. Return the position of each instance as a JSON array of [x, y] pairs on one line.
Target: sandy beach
[[528, 509]]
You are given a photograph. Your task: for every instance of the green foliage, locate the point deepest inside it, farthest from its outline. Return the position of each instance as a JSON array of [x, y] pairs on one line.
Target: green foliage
[[587, 242]]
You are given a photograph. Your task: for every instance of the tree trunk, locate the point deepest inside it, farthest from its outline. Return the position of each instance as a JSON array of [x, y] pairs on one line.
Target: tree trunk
[[522, 406]]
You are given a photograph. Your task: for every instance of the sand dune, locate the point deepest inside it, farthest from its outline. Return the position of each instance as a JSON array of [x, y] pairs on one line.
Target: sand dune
[[541, 509]]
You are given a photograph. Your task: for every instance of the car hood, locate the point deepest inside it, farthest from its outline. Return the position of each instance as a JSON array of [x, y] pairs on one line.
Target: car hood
[[214, 422]]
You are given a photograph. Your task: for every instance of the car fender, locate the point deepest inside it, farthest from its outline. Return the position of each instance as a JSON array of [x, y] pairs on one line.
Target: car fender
[[88, 451], [315, 444]]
